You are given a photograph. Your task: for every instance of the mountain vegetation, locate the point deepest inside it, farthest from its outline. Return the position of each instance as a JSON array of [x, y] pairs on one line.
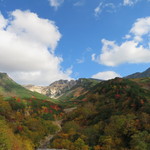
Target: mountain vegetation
[[95, 115], [25, 117], [10, 88], [115, 116], [26, 122], [72, 97]]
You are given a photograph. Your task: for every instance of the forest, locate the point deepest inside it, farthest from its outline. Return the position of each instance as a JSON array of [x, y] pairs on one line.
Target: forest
[[110, 115]]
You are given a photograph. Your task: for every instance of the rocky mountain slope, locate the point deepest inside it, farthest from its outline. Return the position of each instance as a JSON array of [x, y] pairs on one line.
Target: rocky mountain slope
[[144, 74], [54, 90], [59, 88]]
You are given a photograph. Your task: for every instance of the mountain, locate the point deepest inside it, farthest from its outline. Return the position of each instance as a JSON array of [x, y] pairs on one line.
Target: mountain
[[54, 90], [144, 74], [83, 86], [101, 115], [25, 117], [115, 116], [9, 88], [59, 89]]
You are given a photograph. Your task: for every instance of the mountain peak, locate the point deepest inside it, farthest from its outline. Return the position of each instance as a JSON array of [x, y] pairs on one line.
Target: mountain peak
[[148, 70], [3, 75], [143, 74]]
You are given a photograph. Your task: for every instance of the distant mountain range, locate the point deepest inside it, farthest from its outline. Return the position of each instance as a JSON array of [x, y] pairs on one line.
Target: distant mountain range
[[58, 88], [144, 74], [61, 89], [64, 88]]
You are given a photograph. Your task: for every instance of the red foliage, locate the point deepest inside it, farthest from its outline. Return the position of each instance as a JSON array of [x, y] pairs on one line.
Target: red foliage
[[45, 110], [117, 96], [34, 97], [18, 100], [84, 100], [50, 111], [142, 102], [55, 107], [19, 128]]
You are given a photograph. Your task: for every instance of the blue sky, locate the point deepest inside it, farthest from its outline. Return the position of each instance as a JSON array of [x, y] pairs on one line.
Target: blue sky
[[48, 40]]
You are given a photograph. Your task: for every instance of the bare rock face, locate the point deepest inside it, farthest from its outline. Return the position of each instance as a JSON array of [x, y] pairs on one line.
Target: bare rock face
[[34, 88], [54, 90]]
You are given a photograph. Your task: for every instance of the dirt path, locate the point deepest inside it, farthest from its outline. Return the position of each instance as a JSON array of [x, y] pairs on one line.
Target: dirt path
[[68, 110], [45, 142]]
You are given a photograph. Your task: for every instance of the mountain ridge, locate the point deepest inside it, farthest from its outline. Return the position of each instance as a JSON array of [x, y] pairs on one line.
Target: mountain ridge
[[143, 74], [9, 88], [60, 87]]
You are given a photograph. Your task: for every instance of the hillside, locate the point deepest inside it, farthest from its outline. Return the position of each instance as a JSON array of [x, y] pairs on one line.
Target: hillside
[[115, 116], [71, 97], [9, 88], [100, 115], [54, 90], [64, 89], [143, 74], [25, 117]]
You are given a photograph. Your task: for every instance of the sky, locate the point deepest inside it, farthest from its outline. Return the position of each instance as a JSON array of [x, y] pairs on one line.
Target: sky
[[42, 41]]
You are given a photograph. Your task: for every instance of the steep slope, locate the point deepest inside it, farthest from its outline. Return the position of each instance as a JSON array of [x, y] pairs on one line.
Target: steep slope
[[143, 82], [144, 74], [77, 92], [9, 88], [25, 117], [64, 88], [54, 90], [115, 115]]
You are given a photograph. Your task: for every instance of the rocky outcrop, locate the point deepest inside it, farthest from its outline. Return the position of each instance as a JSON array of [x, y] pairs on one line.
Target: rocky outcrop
[[54, 90], [39, 89]]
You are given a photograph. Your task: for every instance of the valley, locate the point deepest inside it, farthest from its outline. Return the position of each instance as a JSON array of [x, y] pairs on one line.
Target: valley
[[85, 114]]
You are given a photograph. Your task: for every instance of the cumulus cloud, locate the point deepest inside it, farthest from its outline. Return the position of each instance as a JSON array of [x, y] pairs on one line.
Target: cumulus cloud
[[133, 50], [106, 75], [3, 22], [140, 28], [27, 49], [55, 3]]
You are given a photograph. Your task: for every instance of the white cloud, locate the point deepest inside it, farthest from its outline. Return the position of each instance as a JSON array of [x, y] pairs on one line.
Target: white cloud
[[108, 7], [93, 57], [98, 10], [27, 49], [140, 28], [130, 51], [106, 75], [79, 3], [55, 3], [130, 2], [80, 61], [3, 22]]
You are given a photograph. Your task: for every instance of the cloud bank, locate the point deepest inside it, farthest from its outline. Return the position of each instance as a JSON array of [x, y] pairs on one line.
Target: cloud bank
[[27, 49], [135, 49], [106, 75]]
